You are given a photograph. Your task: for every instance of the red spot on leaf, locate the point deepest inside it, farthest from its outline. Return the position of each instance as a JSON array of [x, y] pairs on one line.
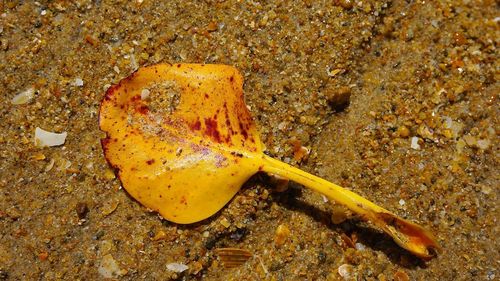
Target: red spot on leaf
[[183, 200], [196, 126], [211, 129], [142, 109], [104, 143], [243, 130], [110, 92]]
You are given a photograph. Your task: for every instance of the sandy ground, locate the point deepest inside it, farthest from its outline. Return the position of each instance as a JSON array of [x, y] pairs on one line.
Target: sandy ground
[[396, 100]]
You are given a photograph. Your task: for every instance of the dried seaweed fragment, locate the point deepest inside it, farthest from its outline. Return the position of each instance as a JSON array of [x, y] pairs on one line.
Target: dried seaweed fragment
[[233, 257]]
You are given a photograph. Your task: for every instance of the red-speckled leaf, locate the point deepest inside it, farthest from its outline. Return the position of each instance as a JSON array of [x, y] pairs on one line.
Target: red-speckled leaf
[[183, 143], [180, 137]]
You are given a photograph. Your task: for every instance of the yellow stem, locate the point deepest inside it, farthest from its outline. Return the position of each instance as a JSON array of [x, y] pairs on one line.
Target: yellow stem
[[341, 195], [407, 234]]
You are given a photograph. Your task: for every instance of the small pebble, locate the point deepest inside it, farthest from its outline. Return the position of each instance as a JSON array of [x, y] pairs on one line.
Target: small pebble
[[470, 140], [106, 247], [333, 72], [447, 133], [281, 235], [474, 142], [403, 132], [109, 174], [238, 234], [196, 267], [486, 189], [38, 156], [339, 98], [225, 223], [160, 235], [43, 256], [483, 144], [346, 4], [301, 153], [401, 276], [346, 271], [212, 26], [81, 210]]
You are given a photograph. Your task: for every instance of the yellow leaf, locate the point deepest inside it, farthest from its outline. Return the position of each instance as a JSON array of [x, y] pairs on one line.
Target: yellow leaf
[[183, 142]]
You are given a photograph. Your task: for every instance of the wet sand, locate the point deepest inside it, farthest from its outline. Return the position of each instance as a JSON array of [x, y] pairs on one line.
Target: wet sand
[[397, 101]]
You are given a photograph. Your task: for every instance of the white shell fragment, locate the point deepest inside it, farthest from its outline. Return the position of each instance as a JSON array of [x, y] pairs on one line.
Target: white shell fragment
[[78, 82], [177, 267], [109, 267], [145, 94], [23, 97], [483, 144], [45, 138], [414, 143], [359, 246], [346, 271]]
